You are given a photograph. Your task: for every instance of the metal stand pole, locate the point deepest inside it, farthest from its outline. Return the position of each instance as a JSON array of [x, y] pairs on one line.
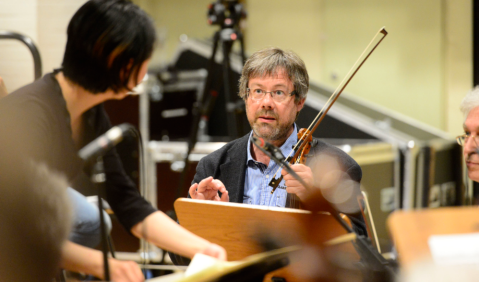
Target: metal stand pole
[[98, 178], [37, 61]]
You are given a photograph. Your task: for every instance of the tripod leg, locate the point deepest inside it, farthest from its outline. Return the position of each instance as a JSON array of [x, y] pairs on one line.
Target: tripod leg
[[202, 108], [230, 103], [241, 40], [243, 127]]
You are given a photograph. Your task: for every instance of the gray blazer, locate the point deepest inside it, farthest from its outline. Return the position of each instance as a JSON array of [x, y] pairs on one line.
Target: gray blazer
[[228, 164]]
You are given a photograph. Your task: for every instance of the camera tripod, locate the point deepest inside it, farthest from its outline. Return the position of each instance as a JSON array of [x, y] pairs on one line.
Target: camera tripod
[[227, 14]]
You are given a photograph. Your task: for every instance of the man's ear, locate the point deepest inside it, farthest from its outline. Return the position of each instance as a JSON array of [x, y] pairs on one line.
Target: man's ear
[[300, 104]]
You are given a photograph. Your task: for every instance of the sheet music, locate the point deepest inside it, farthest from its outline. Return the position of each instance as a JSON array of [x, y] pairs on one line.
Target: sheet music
[[199, 263], [455, 249]]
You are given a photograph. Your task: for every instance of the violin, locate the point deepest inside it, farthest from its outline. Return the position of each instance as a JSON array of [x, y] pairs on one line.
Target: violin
[[305, 136]]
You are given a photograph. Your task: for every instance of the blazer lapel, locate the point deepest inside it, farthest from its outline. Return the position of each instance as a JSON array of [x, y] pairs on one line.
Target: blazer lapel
[[234, 170]]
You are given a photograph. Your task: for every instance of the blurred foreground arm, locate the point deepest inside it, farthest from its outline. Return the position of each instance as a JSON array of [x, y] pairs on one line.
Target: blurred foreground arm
[[3, 88], [162, 231], [81, 259]]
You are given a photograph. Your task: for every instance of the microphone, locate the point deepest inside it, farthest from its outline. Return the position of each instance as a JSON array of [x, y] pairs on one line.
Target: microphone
[[277, 156], [89, 154], [105, 142], [268, 147]]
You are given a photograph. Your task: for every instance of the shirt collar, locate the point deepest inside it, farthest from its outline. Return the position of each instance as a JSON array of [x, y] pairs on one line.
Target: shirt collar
[[286, 148]]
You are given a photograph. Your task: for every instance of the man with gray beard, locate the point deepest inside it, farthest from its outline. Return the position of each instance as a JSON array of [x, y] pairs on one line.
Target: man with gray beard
[[274, 85]]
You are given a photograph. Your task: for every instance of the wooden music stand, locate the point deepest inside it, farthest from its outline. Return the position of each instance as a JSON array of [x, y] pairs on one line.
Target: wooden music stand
[[237, 227], [410, 230]]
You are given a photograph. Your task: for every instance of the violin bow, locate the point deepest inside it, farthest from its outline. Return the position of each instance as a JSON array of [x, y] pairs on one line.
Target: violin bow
[[377, 39]]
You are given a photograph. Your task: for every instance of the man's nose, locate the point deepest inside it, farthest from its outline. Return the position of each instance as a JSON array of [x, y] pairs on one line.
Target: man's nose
[[267, 101], [470, 145]]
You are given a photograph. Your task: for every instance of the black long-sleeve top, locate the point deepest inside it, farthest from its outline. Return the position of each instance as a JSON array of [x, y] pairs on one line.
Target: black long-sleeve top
[[35, 122]]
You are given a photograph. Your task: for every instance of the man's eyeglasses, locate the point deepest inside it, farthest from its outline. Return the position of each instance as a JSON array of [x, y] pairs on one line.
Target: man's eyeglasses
[[462, 139], [278, 96]]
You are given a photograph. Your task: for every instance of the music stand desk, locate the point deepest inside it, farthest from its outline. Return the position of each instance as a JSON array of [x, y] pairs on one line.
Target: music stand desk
[[236, 227], [410, 230]]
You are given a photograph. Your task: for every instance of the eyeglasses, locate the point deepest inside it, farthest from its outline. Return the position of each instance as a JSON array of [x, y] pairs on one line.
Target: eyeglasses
[[278, 96], [462, 139]]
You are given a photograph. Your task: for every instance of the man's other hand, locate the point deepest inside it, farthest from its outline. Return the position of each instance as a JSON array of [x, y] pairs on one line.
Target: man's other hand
[[208, 189]]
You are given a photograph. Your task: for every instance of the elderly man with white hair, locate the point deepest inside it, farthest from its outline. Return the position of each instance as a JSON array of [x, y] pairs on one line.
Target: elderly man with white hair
[[470, 139]]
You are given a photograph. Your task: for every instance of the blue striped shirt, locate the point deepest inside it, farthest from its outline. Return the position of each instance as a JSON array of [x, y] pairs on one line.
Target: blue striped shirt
[[258, 175]]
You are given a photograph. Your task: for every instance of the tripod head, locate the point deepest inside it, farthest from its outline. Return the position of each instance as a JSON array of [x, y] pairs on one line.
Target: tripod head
[[226, 13]]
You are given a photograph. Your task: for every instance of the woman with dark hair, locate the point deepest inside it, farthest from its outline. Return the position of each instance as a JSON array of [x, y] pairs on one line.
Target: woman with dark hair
[[107, 53]]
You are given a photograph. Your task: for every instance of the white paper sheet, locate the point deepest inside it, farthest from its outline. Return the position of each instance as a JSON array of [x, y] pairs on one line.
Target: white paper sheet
[[199, 263], [455, 249]]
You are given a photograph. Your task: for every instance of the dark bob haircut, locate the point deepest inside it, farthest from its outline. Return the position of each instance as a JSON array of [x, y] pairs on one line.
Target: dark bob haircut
[[108, 40]]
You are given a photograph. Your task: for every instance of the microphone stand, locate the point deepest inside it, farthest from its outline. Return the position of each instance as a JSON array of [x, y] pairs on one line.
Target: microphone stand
[[374, 261], [98, 178], [92, 154]]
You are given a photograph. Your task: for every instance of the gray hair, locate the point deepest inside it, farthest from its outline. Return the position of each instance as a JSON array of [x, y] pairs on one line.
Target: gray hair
[[267, 62], [470, 101]]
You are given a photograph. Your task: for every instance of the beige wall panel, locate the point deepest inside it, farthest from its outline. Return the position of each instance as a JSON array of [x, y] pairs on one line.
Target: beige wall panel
[[458, 60], [421, 69], [174, 18], [16, 63], [53, 19], [405, 74], [45, 21], [293, 25]]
